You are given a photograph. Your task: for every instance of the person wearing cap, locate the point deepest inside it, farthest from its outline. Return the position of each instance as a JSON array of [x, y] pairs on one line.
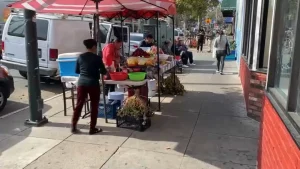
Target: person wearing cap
[[189, 55], [148, 41], [179, 51], [89, 66]]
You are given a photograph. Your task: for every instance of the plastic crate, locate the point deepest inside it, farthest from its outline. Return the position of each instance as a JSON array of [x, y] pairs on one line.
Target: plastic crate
[[231, 56], [127, 122], [67, 66], [112, 108]]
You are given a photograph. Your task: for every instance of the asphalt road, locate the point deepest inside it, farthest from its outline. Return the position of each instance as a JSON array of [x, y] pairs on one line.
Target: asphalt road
[[19, 99]]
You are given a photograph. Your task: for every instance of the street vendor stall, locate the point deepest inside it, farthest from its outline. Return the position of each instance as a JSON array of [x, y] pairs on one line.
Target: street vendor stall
[[123, 8]]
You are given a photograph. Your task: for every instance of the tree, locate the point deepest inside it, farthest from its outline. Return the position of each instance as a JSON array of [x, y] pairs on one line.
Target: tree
[[195, 8]]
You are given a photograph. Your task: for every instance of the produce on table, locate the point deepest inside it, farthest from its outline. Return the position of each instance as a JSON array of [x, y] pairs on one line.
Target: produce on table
[[154, 50], [132, 61], [150, 61], [167, 86], [133, 106], [142, 61], [140, 52]]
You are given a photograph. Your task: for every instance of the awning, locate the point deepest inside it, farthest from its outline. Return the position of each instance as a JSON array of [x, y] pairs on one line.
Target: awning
[[107, 8], [228, 8]]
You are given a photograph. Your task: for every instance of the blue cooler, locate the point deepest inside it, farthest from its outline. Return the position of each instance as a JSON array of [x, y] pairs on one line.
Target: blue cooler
[[67, 64], [231, 56], [116, 96]]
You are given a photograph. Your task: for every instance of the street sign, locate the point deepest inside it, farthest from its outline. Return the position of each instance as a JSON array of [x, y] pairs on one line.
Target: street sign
[[208, 20], [6, 13]]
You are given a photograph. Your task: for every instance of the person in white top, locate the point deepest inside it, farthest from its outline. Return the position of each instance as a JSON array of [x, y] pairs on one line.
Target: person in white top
[[221, 48]]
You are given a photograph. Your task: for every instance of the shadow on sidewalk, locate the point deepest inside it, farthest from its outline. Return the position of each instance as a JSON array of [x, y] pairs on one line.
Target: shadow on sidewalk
[[14, 125], [207, 128]]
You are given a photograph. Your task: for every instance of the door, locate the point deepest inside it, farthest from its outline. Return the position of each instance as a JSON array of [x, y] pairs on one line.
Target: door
[[117, 33], [15, 49], [105, 30]]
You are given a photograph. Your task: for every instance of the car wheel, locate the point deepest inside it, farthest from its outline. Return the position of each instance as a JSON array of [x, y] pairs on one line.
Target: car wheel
[[3, 99], [23, 74]]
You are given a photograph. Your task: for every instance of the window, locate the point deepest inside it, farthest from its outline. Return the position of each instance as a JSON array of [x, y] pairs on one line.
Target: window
[[268, 29], [284, 69], [104, 29], [136, 38], [17, 28], [285, 48]]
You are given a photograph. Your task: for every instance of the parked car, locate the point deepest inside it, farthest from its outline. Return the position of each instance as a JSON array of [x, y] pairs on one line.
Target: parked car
[[6, 86], [135, 41], [56, 35]]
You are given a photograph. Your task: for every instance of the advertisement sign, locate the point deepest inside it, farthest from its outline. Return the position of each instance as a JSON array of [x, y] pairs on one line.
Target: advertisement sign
[[6, 13]]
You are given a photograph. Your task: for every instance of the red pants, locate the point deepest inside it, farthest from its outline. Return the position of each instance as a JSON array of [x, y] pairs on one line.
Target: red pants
[[82, 93]]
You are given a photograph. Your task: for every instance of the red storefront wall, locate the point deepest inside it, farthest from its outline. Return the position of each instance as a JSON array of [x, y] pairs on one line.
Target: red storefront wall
[[277, 149]]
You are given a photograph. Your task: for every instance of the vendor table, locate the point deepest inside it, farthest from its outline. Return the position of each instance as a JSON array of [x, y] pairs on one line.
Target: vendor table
[[126, 82], [70, 83]]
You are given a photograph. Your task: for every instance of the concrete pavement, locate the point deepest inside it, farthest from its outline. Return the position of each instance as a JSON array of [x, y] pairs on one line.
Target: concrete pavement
[[207, 128], [19, 99]]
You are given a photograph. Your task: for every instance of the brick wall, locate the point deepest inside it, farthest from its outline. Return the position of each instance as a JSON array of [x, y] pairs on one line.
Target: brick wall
[[277, 149], [253, 84], [256, 94], [245, 79]]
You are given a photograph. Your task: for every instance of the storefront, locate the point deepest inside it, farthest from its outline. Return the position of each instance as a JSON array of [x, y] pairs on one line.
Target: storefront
[[269, 70]]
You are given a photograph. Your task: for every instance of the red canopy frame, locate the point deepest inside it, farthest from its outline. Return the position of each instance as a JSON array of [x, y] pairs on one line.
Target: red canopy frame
[[106, 8], [145, 9]]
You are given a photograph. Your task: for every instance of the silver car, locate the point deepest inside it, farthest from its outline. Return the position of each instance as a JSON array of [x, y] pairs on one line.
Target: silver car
[[135, 41]]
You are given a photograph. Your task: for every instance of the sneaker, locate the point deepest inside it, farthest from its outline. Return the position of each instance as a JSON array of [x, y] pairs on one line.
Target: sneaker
[[217, 71], [221, 73], [185, 66], [193, 64]]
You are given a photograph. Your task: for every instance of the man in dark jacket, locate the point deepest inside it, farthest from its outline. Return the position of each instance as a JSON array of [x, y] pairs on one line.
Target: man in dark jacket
[[201, 39], [148, 41]]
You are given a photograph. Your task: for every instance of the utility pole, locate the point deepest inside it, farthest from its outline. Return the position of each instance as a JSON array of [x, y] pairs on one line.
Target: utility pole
[[35, 100]]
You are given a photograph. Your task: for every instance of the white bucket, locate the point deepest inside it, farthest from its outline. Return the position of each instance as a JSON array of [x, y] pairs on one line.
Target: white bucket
[[152, 88]]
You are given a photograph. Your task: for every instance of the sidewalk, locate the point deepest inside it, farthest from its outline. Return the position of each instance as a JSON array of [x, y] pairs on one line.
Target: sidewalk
[[207, 128]]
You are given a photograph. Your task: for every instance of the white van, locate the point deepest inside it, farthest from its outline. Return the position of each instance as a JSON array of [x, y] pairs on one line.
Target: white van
[[56, 35]]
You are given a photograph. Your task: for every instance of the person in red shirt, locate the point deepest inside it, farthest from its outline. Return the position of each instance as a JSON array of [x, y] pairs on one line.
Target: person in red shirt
[[111, 60]]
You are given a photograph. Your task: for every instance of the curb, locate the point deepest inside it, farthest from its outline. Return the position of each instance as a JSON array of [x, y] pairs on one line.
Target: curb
[[27, 107]]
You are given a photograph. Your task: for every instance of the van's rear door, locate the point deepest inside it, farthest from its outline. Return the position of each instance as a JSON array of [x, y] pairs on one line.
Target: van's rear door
[[14, 40], [105, 30], [117, 33]]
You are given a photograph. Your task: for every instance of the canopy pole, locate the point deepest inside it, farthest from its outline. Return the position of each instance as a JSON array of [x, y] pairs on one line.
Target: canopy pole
[[99, 51], [174, 69], [35, 100], [158, 64], [122, 36]]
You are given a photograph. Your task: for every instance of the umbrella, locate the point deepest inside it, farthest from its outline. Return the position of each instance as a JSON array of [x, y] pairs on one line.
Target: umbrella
[[106, 8]]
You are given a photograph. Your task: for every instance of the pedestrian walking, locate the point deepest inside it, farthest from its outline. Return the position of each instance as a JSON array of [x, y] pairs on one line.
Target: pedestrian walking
[[201, 39], [89, 66], [222, 50], [211, 36]]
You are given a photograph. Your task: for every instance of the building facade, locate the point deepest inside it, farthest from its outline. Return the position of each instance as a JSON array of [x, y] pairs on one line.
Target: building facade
[[268, 40]]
